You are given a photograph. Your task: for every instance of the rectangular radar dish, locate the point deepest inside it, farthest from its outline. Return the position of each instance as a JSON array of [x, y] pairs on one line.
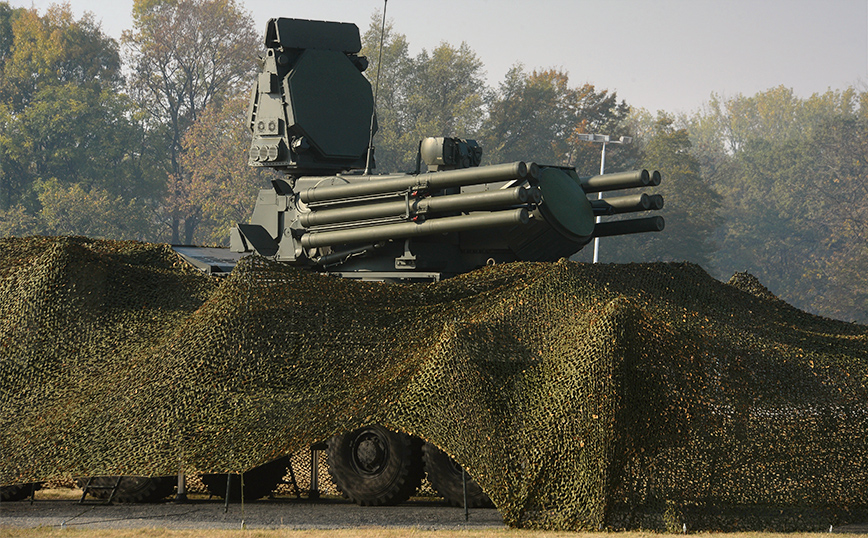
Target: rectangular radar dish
[[304, 34]]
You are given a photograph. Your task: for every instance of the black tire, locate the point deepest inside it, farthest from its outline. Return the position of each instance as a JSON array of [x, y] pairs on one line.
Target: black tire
[[132, 489], [18, 492], [258, 482], [444, 473], [373, 466]]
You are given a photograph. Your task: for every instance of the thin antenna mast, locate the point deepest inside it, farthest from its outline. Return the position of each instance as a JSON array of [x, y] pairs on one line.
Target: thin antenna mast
[[376, 92]]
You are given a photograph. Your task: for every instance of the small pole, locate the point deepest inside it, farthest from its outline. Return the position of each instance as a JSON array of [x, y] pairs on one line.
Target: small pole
[[181, 495], [313, 493], [464, 487], [376, 92], [228, 482], [600, 197], [605, 139]]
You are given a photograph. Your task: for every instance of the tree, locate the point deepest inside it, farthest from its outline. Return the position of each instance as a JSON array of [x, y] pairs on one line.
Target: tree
[[221, 183], [92, 212], [599, 112], [769, 232], [390, 86], [535, 117], [441, 93], [47, 60], [840, 186], [528, 118], [691, 207], [184, 55], [17, 221], [448, 88], [7, 15], [55, 50], [63, 120], [76, 134], [791, 174]]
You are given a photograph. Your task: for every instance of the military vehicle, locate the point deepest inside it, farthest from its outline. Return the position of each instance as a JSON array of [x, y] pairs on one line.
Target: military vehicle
[[312, 117]]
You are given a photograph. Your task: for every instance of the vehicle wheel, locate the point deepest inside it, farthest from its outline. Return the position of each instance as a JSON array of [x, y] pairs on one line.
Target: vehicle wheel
[[444, 473], [258, 482], [132, 489], [373, 466], [18, 492]]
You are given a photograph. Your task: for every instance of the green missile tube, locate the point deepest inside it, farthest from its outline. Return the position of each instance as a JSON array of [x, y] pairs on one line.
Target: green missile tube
[[403, 230], [621, 180], [632, 226], [423, 182], [409, 208], [623, 204]]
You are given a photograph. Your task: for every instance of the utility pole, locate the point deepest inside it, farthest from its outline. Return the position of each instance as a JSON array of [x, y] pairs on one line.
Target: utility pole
[[605, 140]]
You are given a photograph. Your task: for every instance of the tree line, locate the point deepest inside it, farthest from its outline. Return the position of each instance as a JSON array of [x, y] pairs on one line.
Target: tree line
[[146, 139]]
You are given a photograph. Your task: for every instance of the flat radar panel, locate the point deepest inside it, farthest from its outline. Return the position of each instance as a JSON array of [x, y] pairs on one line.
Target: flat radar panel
[[331, 103]]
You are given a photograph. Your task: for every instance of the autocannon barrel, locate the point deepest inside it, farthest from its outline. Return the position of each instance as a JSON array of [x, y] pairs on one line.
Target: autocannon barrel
[[404, 230], [623, 204], [621, 180], [474, 201], [632, 226], [428, 181]]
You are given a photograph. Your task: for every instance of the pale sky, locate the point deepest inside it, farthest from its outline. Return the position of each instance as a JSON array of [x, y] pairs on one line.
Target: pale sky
[[656, 54]]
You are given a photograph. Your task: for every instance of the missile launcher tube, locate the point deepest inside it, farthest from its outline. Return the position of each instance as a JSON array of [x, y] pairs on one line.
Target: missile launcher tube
[[632, 226], [622, 180], [476, 201], [622, 204], [430, 181], [403, 230]]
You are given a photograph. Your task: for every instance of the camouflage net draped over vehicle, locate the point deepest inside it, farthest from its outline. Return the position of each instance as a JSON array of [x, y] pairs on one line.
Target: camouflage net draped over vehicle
[[578, 396]]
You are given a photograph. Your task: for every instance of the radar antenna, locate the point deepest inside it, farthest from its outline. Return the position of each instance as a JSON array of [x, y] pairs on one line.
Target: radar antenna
[[376, 92]]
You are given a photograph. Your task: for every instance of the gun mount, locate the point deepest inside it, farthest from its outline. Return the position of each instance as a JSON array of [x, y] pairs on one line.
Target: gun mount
[[311, 114]]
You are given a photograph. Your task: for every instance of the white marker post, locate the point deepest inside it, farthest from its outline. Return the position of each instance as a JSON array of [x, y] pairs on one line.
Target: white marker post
[[604, 139]]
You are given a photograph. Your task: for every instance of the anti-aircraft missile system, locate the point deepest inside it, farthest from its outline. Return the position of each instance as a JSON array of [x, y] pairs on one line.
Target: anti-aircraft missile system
[[312, 117]]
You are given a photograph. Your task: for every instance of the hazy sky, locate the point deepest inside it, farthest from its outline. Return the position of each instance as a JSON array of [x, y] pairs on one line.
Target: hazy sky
[[661, 54]]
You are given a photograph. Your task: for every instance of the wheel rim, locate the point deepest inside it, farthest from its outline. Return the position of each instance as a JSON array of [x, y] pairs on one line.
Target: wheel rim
[[370, 452]]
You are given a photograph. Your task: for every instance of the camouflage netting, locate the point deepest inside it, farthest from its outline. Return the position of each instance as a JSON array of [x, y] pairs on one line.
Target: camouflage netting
[[578, 396]]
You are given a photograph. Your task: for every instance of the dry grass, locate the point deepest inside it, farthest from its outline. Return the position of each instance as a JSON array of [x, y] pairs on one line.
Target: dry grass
[[41, 532], [61, 494], [54, 494]]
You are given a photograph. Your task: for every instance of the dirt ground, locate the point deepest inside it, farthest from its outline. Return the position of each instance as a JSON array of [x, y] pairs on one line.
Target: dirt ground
[[56, 509]]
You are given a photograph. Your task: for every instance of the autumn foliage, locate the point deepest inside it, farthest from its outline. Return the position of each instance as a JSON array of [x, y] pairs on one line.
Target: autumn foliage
[[144, 140]]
